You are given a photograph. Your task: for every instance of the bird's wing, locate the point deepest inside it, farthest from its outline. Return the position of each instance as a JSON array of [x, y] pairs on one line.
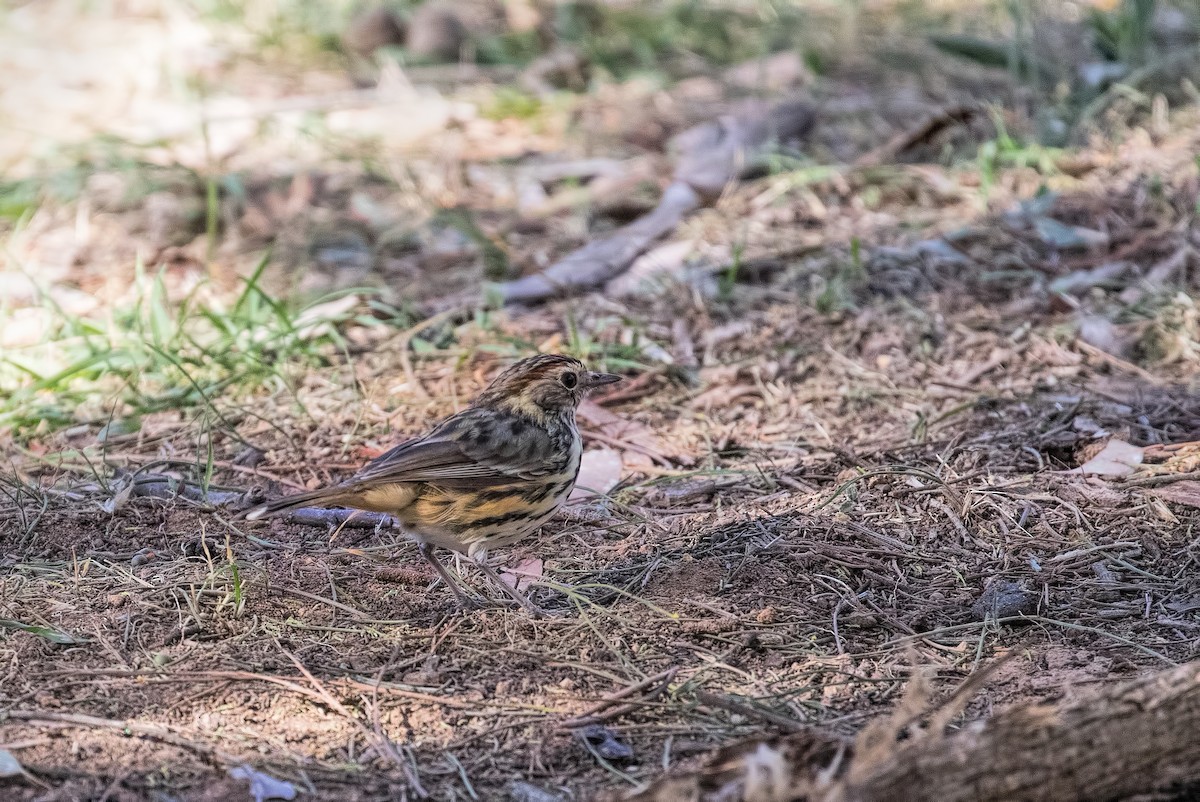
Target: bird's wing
[[475, 448]]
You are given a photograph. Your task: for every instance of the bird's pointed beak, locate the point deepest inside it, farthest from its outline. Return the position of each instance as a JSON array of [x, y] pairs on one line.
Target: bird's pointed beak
[[601, 379]]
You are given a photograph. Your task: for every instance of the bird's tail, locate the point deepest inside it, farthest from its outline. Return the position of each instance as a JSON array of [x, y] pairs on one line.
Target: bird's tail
[[323, 497]]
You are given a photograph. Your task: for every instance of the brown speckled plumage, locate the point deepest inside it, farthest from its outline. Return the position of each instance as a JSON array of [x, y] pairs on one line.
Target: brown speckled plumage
[[484, 477]]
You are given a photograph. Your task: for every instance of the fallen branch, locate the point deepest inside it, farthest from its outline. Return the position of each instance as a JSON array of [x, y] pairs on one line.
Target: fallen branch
[[339, 517], [609, 707], [157, 732], [604, 259], [926, 130], [168, 487], [1127, 739], [709, 157]]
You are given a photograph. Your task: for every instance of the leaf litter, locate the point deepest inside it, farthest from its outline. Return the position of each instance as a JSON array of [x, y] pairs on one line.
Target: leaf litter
[[869, 427]]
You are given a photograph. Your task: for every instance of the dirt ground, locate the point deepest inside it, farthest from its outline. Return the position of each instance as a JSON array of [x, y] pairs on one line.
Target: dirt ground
[[861, 454]]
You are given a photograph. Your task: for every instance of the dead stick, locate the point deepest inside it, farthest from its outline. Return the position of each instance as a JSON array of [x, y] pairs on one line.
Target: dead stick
[[725, 703], [659, 682], [158, 732], [339, 517], [385, 744], [1163, 479], [249, 676], [906, 139]]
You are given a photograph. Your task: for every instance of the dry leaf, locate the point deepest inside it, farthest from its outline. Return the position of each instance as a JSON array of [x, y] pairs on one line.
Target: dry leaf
[[599, 472], [629, 435], [523, 574], [1117, 459], [118, 499], [1163, 511]]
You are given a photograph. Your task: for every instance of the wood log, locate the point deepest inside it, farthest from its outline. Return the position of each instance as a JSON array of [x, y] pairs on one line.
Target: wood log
[[1128, 739], [709, 156]]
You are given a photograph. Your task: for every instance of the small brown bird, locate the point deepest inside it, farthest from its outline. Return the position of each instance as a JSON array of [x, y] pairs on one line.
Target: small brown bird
[[485, 477]]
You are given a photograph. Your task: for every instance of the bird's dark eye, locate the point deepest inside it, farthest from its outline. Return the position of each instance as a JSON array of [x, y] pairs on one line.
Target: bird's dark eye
[[569, 380]]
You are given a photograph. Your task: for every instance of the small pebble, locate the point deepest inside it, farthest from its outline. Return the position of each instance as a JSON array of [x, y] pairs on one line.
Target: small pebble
[[435, 33], [604, 742], [521, 791], [373, 29], [1004, 599], [142, 557]]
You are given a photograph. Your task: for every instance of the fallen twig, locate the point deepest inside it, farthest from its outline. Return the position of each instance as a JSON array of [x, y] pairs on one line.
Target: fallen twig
[[733, 706], [608, 708], [169, 488], [1159, 479], [710, 156], [939, 121], [158, 732], [339, 517], [1122, 741], [604, 259]]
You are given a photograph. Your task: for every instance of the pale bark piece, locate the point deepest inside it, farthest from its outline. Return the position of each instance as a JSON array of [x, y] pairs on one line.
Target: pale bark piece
[[604, 259], [263, 786], [775, 73], [1186, 492], [714, 153], [1117, 459], [1128, 739], [709, 157]]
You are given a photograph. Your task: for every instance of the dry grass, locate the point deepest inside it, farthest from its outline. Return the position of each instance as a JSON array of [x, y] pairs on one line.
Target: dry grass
[[792, 594], [861, 441]]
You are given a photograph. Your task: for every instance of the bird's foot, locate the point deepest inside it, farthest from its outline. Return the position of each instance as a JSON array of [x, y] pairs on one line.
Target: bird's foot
[[517, 596]]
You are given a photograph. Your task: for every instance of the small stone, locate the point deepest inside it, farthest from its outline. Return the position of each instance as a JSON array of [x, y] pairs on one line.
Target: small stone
[[143, 556], [604, 742], [172, 219], [371, 30], [521, 791], [1003, 599], [435, 33]]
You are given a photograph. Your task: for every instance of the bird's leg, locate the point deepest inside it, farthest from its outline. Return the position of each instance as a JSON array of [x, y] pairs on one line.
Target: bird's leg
[[463, 600], [519, 597]]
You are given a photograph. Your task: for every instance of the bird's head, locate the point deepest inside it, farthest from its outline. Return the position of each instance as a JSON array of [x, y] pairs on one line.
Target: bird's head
[[543, 384]]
